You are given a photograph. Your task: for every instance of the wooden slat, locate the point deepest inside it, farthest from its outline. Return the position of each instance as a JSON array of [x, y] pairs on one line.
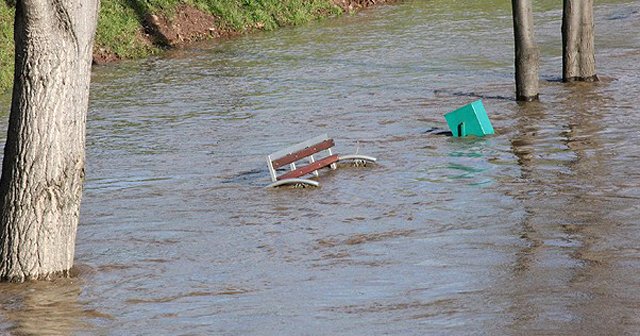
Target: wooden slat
[[301, 154], [297, 147], [310, 167]]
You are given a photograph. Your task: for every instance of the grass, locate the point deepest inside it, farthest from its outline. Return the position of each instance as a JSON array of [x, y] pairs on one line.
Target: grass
[[119, 29], [120, 23], [6, 47], [243, 15], [121, 20]]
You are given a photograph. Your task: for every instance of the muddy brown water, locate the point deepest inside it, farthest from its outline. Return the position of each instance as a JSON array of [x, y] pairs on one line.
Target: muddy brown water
[[532, 231]]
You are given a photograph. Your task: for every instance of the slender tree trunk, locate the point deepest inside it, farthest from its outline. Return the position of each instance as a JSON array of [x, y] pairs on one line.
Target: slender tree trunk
[[578, 51], [43, 165], [527, 53]]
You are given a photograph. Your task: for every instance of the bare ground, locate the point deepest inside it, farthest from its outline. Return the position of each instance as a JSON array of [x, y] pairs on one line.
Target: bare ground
[[190, 24]]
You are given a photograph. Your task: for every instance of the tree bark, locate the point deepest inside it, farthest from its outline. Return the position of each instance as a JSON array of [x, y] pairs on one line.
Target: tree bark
[[527, 58], [43, 165], [578, 51]]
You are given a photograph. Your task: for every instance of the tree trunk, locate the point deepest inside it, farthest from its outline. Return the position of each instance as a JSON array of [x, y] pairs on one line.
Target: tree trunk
[[43, 165], [578, 59], [527, 53]]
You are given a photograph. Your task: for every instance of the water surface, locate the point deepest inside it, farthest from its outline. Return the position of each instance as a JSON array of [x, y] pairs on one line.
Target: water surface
[[531, 231]]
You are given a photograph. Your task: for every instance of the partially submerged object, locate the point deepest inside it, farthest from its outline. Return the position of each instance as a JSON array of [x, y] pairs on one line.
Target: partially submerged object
[[470, 119], [438, 131], [305, 151]]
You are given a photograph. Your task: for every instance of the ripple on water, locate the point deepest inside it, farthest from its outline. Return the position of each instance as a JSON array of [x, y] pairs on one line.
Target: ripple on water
[[532, 229]]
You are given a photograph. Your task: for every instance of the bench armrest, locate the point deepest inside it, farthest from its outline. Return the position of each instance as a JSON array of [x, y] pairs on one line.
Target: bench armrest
[[356, 157]]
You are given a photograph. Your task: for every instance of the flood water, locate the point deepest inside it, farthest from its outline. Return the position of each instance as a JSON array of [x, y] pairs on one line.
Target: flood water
[[531, 231]]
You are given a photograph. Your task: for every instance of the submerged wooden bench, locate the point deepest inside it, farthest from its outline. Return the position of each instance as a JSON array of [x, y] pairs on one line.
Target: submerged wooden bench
[[292, 156]]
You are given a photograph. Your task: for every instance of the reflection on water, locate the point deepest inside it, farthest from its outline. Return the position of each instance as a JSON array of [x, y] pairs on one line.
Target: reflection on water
[[565, 275], [47, 308], [530, 231]]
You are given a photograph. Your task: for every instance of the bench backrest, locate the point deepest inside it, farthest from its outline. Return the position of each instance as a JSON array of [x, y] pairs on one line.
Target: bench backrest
[[306, 149]]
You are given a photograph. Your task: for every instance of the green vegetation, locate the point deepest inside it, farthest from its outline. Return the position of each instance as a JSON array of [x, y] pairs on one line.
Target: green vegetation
[[119, 30], [120, 25], [242, 15], [6, 46]]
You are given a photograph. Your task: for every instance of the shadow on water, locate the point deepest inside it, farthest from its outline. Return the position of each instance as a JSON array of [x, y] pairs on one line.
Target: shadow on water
[[446, 92], [47, 308], [248, 177], [623, 15]]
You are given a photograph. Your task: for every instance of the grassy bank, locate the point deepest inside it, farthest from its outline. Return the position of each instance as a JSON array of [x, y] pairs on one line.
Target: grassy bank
[[123, 22], [137, 28], [6, 47]]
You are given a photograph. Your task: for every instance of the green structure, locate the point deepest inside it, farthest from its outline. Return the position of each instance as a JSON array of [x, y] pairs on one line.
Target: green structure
[[470, 119]]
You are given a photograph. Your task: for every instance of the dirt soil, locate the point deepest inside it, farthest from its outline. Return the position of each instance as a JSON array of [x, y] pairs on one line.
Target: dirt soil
[[189, 24]]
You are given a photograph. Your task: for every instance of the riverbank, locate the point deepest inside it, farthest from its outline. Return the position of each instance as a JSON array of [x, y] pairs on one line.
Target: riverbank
[[132, 28], [6, 46]]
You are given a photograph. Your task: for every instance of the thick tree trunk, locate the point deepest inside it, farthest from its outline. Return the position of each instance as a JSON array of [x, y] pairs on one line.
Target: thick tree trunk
[[527, 53], [43, 165], [578, 51]]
